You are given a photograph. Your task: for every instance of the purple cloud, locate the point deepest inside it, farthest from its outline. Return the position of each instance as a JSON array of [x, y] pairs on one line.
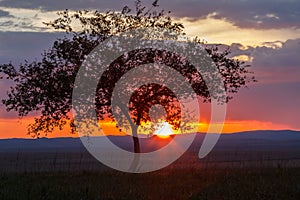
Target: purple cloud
[[243, 13]]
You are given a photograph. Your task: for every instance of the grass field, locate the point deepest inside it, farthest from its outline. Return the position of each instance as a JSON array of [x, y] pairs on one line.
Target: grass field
[[169, 183], [235, 169]]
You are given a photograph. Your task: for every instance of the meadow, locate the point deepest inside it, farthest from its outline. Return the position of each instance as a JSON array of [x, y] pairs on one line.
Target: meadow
[[169, 183], [236, 169], [71, 175]]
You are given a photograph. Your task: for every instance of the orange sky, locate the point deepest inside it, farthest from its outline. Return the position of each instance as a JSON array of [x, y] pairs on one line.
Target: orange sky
[[14, 128]]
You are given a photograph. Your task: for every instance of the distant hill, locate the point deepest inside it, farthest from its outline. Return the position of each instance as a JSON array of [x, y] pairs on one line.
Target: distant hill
[[245, 149], [250, 140]]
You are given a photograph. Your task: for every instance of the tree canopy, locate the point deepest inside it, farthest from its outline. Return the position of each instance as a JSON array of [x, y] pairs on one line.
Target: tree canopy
[[46, 85]]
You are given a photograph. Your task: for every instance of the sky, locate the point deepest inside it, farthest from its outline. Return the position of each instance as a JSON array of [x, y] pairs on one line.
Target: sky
[[265, 33]]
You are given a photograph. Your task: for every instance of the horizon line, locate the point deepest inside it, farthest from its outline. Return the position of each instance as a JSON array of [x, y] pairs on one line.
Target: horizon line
[[114, 135]]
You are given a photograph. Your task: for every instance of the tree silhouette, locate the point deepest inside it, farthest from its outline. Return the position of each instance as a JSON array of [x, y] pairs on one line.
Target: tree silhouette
[[46, 86]]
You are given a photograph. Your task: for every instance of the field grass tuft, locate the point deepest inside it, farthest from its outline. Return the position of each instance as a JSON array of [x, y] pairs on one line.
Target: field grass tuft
[[170, 183]]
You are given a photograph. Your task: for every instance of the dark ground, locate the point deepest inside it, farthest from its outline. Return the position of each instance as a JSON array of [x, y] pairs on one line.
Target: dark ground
[[239, 167], [169, 183]]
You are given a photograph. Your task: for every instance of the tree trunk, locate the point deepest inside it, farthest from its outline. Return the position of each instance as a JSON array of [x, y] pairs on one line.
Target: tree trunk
[[136, 145], [136, 142]]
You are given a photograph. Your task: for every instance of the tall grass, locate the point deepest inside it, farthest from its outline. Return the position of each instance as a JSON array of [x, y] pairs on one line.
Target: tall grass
[[77, 175], [169, 183]]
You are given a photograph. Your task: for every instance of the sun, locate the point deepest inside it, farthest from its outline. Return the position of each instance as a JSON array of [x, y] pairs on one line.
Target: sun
[[164, 130]]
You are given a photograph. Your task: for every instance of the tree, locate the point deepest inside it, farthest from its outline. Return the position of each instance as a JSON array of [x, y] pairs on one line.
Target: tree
[[46, 85]]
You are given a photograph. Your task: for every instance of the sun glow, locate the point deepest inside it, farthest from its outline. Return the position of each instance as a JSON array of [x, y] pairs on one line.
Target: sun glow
[[164, 130]]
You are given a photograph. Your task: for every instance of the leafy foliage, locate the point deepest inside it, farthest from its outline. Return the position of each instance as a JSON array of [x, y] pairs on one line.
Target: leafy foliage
[[46, 85]]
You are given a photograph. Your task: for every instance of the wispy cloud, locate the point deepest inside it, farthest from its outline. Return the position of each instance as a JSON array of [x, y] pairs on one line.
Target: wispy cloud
[[267, 14], [30, 20], [276, 62], [223, 31]]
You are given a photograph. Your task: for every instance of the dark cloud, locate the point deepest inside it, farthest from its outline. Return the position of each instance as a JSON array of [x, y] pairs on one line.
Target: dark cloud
[[65, 4], [244, 13], [4, 13], [273, 63], [273, 55], [286, 56]]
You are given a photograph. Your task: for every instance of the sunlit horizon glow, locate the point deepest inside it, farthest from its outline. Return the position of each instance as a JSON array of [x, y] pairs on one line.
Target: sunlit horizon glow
[[14, 128], [164, 130]]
